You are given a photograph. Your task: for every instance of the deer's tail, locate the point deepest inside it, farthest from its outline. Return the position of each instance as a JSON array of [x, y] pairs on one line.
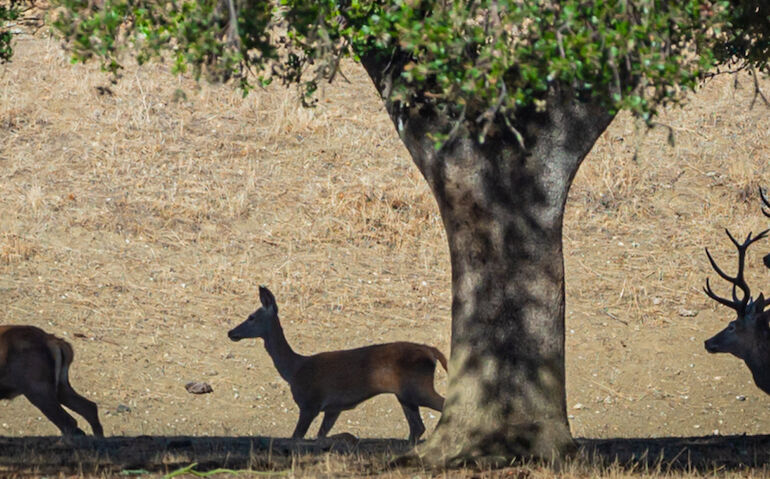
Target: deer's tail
[[439, 356], [62, 355]]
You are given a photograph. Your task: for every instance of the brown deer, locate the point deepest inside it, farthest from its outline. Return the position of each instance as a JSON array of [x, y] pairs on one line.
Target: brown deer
[[35, 364], [748, 336], [336, 381]]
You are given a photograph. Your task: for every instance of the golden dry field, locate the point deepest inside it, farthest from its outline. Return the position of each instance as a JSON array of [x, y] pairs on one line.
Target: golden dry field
[[138, 219]]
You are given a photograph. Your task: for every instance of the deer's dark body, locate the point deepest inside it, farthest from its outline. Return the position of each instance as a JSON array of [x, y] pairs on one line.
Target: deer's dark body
[[335, 381], [748, 336], [36, 364]]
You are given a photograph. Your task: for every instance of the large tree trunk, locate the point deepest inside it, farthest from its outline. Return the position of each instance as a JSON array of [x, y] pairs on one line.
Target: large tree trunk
[[502, 208]]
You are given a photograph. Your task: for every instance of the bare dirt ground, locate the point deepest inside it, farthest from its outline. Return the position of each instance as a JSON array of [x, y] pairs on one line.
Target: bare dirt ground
[[138, 219]]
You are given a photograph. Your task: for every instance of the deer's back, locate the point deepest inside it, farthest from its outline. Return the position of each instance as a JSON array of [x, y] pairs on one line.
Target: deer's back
[[18, 339]]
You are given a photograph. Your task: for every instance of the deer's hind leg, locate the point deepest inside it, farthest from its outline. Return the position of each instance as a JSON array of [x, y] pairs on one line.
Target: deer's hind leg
[[431, 399], [416, 426], [86, 408], [35, 380], [422, 393], [48, 403]]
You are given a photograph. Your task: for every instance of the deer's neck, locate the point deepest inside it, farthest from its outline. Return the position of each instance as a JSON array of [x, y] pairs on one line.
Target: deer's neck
[[284, 358], [759, 364]]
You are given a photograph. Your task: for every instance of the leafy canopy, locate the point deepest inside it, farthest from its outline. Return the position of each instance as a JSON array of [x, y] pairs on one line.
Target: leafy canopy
[[748, 42], [475, 56], [9, 12]]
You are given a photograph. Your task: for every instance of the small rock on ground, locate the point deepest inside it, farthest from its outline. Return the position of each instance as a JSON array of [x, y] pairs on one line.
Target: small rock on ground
[[198, 388]]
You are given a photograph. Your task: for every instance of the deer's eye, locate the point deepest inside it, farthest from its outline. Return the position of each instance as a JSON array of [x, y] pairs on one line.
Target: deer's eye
[[731, 327]]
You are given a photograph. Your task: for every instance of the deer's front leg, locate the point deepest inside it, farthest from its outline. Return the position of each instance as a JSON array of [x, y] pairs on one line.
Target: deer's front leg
[[306, 416], [330, 417]]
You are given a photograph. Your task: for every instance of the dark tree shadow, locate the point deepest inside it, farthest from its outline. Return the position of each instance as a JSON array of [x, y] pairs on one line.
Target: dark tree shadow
[[89, 455], [699, 453], [48, 455]]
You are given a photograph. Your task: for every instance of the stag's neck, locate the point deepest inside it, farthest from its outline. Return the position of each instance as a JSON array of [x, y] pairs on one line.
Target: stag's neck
[[284, 358], [759, 364]]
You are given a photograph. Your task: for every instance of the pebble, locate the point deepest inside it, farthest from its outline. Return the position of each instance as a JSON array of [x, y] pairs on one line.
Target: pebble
[[198, 388]]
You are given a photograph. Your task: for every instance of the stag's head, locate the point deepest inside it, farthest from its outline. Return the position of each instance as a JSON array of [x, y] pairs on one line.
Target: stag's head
[[749, 329], [745, 333], [261, 321]]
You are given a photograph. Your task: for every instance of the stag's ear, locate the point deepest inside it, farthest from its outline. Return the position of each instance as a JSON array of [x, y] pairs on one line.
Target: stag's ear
[[756, 307], [763, 317], [267, 298], [760, 305], [767, 260]]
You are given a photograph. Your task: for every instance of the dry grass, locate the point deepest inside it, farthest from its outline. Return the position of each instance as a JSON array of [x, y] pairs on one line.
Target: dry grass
[[343, 457], [138, 224]]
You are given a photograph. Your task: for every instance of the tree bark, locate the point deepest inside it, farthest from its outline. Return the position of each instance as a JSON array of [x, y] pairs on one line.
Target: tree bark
[[502, 206]]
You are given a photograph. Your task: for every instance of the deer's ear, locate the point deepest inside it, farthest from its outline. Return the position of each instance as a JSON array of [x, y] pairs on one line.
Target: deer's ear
[[759, 305], [267, 298], [755, 308], [767, 260]]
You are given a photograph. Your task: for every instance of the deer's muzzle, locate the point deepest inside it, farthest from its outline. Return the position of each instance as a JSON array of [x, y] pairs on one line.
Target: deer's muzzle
[[234, 336], [711, 346]]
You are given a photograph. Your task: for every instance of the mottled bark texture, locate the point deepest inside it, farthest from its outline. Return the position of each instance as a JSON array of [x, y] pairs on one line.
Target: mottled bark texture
[[502, 207]]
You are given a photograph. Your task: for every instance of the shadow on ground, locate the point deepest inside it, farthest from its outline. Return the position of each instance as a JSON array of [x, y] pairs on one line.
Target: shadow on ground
[[45, 455]]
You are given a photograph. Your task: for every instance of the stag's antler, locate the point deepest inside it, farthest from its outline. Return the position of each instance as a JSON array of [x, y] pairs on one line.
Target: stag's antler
[[765, 212], [766, 202], [738, 281]]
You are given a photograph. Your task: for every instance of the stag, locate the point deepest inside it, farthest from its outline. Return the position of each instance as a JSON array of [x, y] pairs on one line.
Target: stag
[[335, 381], [36, 364], [748, 336]]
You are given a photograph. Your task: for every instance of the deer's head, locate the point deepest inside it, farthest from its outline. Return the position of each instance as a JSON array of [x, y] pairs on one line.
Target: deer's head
[[745, 333], [749, 331], [261, 321]]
